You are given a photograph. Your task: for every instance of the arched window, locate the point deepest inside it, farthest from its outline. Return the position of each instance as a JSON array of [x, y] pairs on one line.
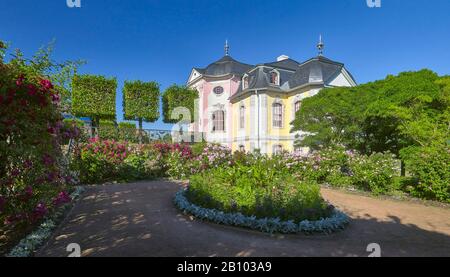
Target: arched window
[[297, 106], [218, 119], [277, 149], [277, 115], [245, 82], [242, 117], [242, 148], [274, 78]]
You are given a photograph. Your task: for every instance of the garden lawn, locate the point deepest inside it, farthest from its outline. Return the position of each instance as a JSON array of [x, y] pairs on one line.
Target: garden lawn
[[139, 219]]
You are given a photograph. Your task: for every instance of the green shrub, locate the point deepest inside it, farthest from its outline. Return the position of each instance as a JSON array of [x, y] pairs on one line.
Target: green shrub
[[108, 130], [374, 173], [142, 164], [429, 168], [99, 161]]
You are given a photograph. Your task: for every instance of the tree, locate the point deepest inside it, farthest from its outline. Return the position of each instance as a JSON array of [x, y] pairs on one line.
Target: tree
[[178, 96], [335, 116], [387, 115], [95, 97], [141, 102]]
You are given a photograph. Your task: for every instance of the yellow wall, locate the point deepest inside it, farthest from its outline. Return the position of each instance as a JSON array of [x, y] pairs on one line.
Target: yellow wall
[[236, 131], [271, 131], [274, 131]]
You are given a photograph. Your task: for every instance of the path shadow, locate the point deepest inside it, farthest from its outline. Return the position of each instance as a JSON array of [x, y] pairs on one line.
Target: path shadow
[[141, 220]]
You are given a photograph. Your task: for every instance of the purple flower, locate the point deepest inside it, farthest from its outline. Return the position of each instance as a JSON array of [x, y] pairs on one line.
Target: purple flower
[[40, 211], [62, 198], [47, 160], [27, 163]]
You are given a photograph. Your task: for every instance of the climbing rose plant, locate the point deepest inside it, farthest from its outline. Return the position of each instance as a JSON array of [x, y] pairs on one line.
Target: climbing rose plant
[[31, 128]]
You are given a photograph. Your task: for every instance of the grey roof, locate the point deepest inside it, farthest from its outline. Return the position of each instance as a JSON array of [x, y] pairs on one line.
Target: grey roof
[[318, 70], [226, 65], [288, 64], [315, 70]]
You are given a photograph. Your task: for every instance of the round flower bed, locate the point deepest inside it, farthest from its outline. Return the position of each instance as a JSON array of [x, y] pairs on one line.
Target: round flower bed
[[259, 192], [337, 221]]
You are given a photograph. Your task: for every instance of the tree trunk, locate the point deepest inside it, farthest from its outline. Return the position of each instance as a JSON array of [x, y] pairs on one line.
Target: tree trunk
[[140, 130], [402, 168]]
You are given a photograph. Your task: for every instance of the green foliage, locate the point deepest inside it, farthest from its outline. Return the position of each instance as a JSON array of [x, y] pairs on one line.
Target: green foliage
[[32, 171], [128, 132], [141, 101], [178, 96], [257, 189], [387, 115], [99, 161], [429, 167], [94, 96], [108, 130], [375, 173], [141, 164], [407, 114]]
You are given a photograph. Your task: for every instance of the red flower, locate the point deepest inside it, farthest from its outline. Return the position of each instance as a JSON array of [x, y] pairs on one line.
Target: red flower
[[46, 84], [32, 90], [19, 80]]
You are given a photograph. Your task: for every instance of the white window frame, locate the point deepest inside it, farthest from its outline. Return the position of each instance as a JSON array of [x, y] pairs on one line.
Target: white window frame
[[277, 83], [216, 121], [244, 85], [277, 149], [281, 109], [241, 117]]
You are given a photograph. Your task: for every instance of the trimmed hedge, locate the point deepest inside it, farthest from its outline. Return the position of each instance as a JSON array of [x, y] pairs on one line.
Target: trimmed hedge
[[94, 96]]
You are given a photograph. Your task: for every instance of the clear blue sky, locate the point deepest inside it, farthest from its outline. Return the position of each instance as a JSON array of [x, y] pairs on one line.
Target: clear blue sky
[[162, 40]]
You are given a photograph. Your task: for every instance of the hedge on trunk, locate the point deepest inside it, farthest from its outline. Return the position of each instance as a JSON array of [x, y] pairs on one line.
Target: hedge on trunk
[[178, 96], [95, 97], [141, 101]]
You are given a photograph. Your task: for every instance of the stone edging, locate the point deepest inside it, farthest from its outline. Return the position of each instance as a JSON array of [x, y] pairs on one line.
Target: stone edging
[[336, 222]]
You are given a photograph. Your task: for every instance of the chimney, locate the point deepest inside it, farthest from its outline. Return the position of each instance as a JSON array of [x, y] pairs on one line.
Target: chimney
[[282, 58]]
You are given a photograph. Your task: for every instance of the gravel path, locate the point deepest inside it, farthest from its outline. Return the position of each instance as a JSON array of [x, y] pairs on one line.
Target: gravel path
[[139, 219]]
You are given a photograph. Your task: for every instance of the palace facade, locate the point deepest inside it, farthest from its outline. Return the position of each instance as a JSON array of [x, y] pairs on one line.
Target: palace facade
[[248, 107]]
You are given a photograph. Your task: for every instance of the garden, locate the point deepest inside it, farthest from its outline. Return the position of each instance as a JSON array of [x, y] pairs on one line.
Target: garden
[[384, 138]]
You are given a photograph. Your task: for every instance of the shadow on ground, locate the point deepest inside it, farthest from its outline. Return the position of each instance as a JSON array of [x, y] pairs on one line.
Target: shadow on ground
[[139, 219]]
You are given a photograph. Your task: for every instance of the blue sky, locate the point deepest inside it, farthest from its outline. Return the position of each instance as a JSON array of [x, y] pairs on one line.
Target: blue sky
[[162, 40]]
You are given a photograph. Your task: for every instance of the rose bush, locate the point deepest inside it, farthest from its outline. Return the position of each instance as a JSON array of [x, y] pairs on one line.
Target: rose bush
[[32, 174]]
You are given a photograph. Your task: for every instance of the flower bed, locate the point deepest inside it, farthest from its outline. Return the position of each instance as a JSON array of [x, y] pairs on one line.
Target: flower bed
[[37, 238], [337, 221]]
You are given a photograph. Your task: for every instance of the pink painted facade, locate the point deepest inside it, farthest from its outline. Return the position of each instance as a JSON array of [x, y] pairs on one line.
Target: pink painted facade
[[209, 102]]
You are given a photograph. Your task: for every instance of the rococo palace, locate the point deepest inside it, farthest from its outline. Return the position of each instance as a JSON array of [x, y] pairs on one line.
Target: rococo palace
[[248, 107]]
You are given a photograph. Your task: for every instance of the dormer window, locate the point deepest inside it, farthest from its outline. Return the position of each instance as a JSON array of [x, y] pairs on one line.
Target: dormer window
[[274, 78], [245, 82]]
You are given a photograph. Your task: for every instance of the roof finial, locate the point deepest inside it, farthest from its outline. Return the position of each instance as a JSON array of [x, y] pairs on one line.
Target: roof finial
[[320, 46], [227, 48]]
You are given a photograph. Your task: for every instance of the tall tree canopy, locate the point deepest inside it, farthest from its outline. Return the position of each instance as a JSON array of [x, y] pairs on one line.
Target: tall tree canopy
[[141, 101], [178, 96], [387, 115], [94, 96]]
